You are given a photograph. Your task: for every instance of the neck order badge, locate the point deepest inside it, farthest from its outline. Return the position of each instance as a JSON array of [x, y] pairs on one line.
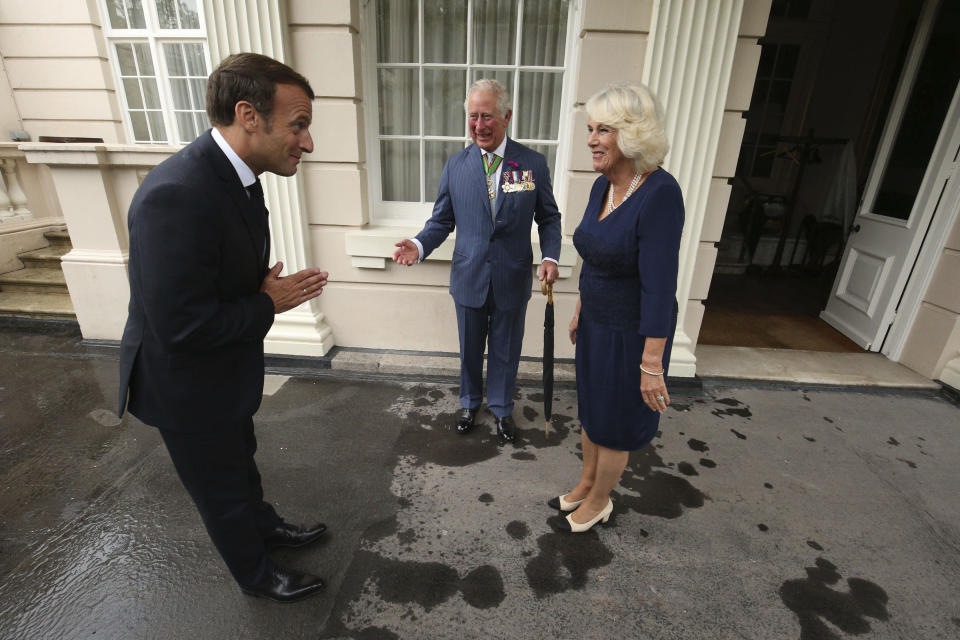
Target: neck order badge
[[490, 168]]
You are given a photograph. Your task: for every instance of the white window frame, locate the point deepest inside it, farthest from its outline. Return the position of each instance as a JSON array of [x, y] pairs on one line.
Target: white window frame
[[155, 37], [414, 214]]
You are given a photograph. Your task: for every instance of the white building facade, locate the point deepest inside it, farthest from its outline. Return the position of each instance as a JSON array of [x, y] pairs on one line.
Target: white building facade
[[390, 77]]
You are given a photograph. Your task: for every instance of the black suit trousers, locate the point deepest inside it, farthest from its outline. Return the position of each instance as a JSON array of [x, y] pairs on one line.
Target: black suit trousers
[[217, 468]]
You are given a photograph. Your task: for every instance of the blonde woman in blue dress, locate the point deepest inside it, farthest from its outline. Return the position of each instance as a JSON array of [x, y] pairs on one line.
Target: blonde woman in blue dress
[[626, 314]]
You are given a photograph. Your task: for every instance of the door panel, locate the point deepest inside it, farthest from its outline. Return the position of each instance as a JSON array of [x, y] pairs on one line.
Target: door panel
[[864, 274]]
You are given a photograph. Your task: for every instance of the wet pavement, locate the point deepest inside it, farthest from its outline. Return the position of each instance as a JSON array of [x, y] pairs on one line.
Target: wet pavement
[[758, 512]]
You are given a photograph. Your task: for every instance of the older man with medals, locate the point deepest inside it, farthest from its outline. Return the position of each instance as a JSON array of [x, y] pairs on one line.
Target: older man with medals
[[491, 193]]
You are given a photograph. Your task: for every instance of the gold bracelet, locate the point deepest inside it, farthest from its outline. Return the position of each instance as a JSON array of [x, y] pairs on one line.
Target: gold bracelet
[[651, 373]]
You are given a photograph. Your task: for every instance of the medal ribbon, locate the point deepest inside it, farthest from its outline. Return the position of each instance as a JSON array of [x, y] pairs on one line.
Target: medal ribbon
[[491, 167]]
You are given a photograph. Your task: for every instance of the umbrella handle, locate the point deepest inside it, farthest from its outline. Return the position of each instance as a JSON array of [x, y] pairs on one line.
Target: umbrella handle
[[547, 290]]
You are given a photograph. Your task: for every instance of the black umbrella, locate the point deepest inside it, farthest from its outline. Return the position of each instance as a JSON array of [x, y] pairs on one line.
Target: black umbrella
[[547, 290]]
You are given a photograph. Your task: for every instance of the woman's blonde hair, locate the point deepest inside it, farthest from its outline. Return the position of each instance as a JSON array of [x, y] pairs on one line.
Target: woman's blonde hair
[[635, 113]]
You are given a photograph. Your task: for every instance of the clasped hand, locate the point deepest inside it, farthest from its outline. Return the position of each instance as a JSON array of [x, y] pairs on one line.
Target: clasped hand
[[291, 291]]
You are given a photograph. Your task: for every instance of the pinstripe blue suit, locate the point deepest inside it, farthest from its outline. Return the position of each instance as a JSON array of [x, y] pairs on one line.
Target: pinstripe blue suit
[[491, 273]]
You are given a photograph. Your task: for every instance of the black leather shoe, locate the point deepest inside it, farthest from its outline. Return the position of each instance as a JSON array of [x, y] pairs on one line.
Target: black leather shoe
[[288, 535], [466, 419], [285, 586], [506, 429]]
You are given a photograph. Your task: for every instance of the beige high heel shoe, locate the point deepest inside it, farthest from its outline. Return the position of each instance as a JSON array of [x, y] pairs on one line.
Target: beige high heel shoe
[[576, 527], [563, 505]]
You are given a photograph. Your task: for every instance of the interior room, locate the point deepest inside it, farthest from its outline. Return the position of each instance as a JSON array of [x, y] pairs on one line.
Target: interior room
[[827, 76]]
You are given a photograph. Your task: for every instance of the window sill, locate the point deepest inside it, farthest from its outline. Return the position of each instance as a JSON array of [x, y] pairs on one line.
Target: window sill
[[370, 248]]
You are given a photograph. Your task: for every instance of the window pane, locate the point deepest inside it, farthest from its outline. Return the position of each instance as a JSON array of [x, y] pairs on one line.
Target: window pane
[[140, 131], [400, 170], [167, 14], [538, 106], [503, 77], [443, 92], [494, 31], [198, 92], [135, 14], [787, 60], [156, 125], [185, 126], [196, 65], [189, 18], [131, 89], [174, 57], [144, 59], [550, 151], [397, 29], [399, 101], [767, 56], [435, 156], [125, 14], [181, 93], [125, 59], [151, 96], [445, 31], [201, 121], [544, 37], [923, 118], [118, 18]]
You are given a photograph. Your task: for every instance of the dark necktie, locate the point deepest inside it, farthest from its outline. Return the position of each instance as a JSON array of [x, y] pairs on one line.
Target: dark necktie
[[255, 193]]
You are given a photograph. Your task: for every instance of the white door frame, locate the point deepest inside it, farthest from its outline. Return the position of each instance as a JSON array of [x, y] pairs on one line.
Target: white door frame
[[930, 251], [922, 210]]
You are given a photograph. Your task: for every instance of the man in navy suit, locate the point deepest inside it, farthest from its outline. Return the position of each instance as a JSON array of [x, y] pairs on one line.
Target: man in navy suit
[[202, 299], [491, 192]]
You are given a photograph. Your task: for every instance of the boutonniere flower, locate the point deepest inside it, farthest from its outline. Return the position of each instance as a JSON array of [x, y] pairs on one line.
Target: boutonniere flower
[[513, 164]]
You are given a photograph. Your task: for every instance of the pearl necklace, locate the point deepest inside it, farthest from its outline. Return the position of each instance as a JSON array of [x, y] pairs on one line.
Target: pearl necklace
[[633, 185]]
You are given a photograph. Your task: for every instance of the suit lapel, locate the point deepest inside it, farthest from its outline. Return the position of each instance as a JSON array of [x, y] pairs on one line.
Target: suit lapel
[[509, 154]]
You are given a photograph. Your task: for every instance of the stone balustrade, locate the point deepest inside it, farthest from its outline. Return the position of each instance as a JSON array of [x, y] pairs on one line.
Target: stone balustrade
[[13, 199]]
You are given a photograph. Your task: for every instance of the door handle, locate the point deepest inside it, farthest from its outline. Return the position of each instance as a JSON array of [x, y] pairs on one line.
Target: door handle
[[854, 228]]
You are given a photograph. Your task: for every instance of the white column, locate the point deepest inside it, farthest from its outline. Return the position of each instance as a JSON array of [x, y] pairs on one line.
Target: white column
[[258, 26], [688, 67]]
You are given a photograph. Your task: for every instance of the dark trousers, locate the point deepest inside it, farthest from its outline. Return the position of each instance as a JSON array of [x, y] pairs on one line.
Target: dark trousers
[[505, 332], [217, 468]]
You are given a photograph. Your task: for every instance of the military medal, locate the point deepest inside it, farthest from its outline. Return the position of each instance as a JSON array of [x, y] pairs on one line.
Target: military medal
[[526, 182]]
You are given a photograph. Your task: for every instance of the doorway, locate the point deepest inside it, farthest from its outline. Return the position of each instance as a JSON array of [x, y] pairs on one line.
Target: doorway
[[827, 77]]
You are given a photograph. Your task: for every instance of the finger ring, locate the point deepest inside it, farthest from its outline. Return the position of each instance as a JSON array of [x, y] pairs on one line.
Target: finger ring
[[660, 398], [304, 292]]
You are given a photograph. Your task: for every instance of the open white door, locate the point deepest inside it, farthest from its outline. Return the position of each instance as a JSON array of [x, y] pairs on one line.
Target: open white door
[[905, 183]]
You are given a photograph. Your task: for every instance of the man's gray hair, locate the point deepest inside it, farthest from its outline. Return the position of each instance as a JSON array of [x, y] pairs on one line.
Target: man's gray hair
[[489, 84]]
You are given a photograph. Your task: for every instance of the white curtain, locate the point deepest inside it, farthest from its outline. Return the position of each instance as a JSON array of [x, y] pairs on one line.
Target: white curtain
[[417, 99]]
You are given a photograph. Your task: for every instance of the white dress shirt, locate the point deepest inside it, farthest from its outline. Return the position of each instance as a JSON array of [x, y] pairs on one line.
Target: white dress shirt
[[245, 173]]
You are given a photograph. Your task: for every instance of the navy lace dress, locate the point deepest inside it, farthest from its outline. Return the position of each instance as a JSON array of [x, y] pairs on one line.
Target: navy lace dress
[[628, 285]]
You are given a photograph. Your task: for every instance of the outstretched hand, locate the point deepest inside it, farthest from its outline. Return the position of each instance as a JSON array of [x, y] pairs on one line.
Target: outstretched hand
[[291, 291], [406, 252]]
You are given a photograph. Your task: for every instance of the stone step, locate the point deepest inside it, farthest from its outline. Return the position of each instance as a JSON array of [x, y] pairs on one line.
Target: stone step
[[34, 279], [59, 238], [47, 257], [36, 305]]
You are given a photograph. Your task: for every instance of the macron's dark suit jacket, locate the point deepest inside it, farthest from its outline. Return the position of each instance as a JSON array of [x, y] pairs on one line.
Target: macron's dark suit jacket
[[192, 349]]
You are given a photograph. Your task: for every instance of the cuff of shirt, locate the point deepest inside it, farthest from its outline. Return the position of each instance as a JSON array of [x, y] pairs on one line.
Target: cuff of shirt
[[419, 249], [550, 260]]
